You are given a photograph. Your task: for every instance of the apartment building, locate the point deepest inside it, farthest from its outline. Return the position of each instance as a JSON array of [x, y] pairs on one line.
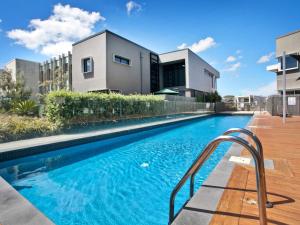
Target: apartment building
[[107, 61], [290, 44]]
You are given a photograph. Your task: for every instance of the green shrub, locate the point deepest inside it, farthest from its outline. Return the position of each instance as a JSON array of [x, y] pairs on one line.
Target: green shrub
[[25, 108], [14, 127], [73, 107]]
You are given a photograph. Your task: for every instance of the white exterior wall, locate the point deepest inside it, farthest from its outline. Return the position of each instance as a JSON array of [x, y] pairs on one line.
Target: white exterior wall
[[198, 78], [127, 78], [12, 68], [173, 57], [94, 47], [28, 70], [195, 76]]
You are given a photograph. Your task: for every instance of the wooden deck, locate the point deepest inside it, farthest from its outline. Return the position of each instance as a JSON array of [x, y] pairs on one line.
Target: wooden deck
[[281, 143]]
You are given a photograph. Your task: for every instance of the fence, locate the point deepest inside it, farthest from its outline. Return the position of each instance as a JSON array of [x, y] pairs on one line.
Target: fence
[[275, 105], [222, 107], [178, 98], [76, 112], [232, 106]]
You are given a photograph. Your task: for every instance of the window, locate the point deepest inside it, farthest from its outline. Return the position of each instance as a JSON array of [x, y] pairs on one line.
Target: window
[[87, 65], [291, 62], [154, 72], [174, 74], [121, 60]]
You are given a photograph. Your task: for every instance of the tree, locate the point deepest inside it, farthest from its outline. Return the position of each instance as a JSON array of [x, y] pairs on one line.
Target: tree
[[215, 97], [209, 97], [12, 90]]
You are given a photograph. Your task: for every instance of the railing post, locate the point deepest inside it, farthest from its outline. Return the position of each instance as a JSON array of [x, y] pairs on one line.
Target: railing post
[[208, 150], [260, 152]]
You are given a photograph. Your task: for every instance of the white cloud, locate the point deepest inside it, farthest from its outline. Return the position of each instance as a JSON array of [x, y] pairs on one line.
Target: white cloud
[[199, 46], [56, 34], [231, 59], [131, 6], [182, 46], [265, 90], [0, 20], [234, 67], [266, 58], [238, 51]]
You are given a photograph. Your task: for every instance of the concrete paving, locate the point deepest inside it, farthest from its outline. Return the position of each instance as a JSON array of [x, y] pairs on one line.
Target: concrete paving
[[16, 210]]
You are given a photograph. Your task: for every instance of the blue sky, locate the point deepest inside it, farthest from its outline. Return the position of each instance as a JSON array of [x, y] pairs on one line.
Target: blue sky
[[232, 35]]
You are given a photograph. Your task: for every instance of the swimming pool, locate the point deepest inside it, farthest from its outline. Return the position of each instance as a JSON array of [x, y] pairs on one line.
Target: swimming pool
[[124, 180]]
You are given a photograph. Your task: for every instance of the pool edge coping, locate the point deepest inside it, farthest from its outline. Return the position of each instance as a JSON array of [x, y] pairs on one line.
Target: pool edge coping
[[12, 203], [206, 200], [23, 150]]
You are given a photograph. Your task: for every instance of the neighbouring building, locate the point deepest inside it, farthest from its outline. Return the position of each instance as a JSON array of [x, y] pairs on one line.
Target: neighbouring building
[[290, 44], [56, 74], [27, 70], [249, 102], [229, 99], [107, 61]]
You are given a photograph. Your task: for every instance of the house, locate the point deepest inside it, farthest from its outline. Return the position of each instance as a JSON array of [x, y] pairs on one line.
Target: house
[[290, 44], [106, 61]]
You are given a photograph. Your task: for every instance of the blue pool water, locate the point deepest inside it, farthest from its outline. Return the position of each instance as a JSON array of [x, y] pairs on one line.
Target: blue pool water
[[125, 180]]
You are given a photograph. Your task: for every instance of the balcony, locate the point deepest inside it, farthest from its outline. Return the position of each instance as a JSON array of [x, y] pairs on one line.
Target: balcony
[[273, 68]]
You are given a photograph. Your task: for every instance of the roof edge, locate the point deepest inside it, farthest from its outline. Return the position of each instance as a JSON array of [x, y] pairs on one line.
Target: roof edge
[[288, 34], [112, 33]]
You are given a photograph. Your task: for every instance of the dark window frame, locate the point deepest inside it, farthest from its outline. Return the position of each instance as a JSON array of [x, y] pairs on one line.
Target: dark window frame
[[85, 68], [154, 73], [287, 58], [121, 60], [174, 75]]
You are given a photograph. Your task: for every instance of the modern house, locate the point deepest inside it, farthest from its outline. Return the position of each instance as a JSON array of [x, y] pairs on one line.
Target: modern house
[[27, 70], [290, 44], [107, 61]]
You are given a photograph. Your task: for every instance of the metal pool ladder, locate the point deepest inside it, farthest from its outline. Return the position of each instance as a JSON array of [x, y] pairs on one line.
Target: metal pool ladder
[[257, 155]]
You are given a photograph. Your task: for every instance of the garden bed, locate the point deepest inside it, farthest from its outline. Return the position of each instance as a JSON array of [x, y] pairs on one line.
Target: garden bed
[[13, 127]]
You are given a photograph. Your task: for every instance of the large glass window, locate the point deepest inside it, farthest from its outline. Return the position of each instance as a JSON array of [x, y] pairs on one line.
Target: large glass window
[[174, 74], [290, 62], [87, 66], [154, 72], [121, 60]]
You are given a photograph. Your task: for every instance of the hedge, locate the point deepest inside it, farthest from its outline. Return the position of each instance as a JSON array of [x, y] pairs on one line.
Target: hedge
[[13, 127], [74, 107]]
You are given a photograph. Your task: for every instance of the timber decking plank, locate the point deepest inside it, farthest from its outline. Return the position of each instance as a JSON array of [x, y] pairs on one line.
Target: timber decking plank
[[282, 144]]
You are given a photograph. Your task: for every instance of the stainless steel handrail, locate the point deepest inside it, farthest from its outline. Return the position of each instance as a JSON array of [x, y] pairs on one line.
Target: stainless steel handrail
[[208, 150], [259, 148]]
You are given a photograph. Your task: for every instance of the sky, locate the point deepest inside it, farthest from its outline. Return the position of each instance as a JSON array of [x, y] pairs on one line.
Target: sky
[[236, 37]]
